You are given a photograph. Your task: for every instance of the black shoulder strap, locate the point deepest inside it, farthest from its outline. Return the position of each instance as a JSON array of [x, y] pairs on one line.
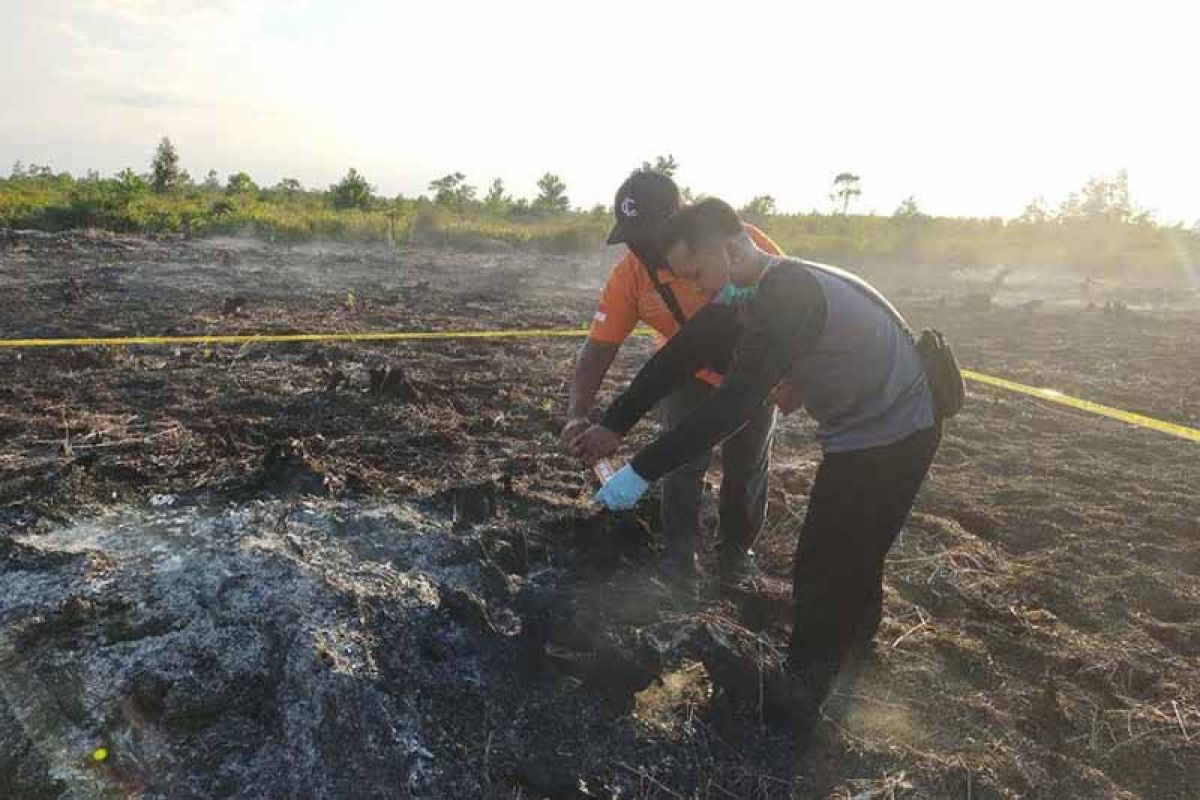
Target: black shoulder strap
[[870, 291], [668, 297]]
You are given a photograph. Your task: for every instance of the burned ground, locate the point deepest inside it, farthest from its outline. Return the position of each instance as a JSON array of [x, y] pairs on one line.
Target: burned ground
[[366, 570]]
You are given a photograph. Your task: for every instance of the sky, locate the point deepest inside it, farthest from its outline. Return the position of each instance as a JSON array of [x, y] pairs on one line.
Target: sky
[[973, 108]]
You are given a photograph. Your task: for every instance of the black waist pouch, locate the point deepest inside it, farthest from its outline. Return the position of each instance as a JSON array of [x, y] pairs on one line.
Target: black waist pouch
[[942, 372]]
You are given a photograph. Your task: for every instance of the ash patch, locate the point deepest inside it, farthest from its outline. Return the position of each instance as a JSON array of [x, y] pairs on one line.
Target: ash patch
[[270, 650]]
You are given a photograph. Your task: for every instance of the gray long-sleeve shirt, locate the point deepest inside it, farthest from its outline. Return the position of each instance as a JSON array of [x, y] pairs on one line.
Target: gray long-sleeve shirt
[[852, 365]]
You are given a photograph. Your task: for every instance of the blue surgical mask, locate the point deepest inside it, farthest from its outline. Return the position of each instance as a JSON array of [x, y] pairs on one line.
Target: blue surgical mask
[[732, 294]]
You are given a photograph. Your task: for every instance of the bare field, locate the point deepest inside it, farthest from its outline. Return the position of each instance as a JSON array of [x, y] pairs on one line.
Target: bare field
[[366, 570]]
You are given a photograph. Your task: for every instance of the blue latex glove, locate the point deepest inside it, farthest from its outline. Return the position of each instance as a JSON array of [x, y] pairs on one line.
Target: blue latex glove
[[623, 490]]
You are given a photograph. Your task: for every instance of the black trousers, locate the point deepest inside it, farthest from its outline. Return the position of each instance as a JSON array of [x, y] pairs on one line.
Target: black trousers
[[858, 505], [745, 459]]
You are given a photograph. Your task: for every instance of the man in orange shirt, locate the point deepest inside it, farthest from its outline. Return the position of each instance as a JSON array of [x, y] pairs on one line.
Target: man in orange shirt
[[641, 288]]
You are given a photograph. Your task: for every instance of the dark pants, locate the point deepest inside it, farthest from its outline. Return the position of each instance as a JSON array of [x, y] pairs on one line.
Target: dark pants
[[745, 457], [858, 505]]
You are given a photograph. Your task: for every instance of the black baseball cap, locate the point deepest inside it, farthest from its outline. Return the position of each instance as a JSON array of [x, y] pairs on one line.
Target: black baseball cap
[[643, 203]]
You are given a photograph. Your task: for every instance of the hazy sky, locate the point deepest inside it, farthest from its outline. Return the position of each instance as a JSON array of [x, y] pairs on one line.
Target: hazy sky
[[973, 107]]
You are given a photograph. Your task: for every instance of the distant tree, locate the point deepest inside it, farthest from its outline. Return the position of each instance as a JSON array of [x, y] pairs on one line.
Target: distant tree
[[445, 187], [908, 210], [552, 195], [464, 196], [34, 172], [663, 165], [92, 176], [165, 172], [1036, 213], [758, 209], [240, 183], [130, 178], [289, 186], [212, 182], [846, 187], [452, 190], [129, 183], [519, 207], [496, 199], [1104, 201], [352, 191]]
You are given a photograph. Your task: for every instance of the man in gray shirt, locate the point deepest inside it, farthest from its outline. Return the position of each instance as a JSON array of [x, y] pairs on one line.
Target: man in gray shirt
[[843, 351]]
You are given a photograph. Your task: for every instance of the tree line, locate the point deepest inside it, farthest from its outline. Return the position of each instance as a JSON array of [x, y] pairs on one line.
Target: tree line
[[1098, 229], [166, 176]]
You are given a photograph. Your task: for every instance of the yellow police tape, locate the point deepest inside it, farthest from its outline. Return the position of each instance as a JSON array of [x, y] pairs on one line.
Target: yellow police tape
[[1049, 395], [1055, 396]]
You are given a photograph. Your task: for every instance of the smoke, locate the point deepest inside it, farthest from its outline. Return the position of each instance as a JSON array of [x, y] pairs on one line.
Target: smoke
[[1187, 264]]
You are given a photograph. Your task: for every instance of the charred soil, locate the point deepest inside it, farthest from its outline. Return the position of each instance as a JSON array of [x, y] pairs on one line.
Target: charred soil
[[367, 570]]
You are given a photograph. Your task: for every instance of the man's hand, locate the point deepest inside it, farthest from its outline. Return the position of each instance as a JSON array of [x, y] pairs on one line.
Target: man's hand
[[595, 443], [572, 430]]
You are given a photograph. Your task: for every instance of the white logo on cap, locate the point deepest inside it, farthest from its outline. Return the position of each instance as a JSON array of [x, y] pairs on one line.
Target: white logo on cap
[[629, 207]]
